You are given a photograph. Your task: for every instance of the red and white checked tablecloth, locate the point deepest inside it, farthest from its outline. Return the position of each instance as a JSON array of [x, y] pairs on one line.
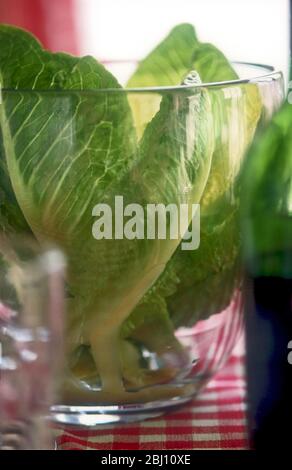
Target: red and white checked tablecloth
[[214, 420]]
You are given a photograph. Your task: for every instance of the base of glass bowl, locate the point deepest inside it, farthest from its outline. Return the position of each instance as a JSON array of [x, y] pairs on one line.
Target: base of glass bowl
[[208, 344], [95, 416]]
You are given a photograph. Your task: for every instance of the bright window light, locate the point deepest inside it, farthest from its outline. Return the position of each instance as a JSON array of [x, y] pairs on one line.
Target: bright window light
[[245, 30]]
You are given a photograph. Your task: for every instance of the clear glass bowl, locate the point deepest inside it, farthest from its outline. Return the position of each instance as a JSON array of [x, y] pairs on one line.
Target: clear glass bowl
[[148, 323]]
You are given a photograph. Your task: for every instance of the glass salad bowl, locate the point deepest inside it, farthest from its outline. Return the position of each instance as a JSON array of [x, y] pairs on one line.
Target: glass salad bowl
[[139, 188]]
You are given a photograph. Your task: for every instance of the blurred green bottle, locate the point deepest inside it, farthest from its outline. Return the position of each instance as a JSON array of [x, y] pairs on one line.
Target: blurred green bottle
[[266, 191], [267, 199]]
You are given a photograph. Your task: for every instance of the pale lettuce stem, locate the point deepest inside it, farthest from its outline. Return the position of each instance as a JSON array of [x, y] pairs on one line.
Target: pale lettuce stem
[[105, 351]]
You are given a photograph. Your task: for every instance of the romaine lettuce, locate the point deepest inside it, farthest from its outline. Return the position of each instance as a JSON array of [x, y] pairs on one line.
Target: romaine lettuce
[[67, 144], [63, 151]]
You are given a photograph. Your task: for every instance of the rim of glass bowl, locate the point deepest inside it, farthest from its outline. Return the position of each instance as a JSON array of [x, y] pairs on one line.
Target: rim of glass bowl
[[270, 74]]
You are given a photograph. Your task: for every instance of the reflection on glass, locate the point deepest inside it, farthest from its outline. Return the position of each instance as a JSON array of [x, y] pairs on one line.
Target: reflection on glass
[[31, 326]]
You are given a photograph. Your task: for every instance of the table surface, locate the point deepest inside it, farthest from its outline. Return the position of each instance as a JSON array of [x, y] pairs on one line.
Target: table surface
[[216, 419]]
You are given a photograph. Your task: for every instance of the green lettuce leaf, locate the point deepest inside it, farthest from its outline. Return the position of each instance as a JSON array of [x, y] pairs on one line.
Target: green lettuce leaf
[[26, 65], [196, 273], [166, 65], [61, 150], [169, 62]]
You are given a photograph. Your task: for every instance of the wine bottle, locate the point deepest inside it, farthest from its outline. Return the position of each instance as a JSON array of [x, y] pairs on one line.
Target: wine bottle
[[267, 240]]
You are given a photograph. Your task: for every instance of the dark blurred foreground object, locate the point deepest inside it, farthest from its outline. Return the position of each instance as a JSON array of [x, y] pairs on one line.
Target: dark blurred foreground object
[[267, 232], [51, 21], [31, 326]]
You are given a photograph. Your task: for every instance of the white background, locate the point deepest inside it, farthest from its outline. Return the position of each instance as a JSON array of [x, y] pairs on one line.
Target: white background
[[247, 30]]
